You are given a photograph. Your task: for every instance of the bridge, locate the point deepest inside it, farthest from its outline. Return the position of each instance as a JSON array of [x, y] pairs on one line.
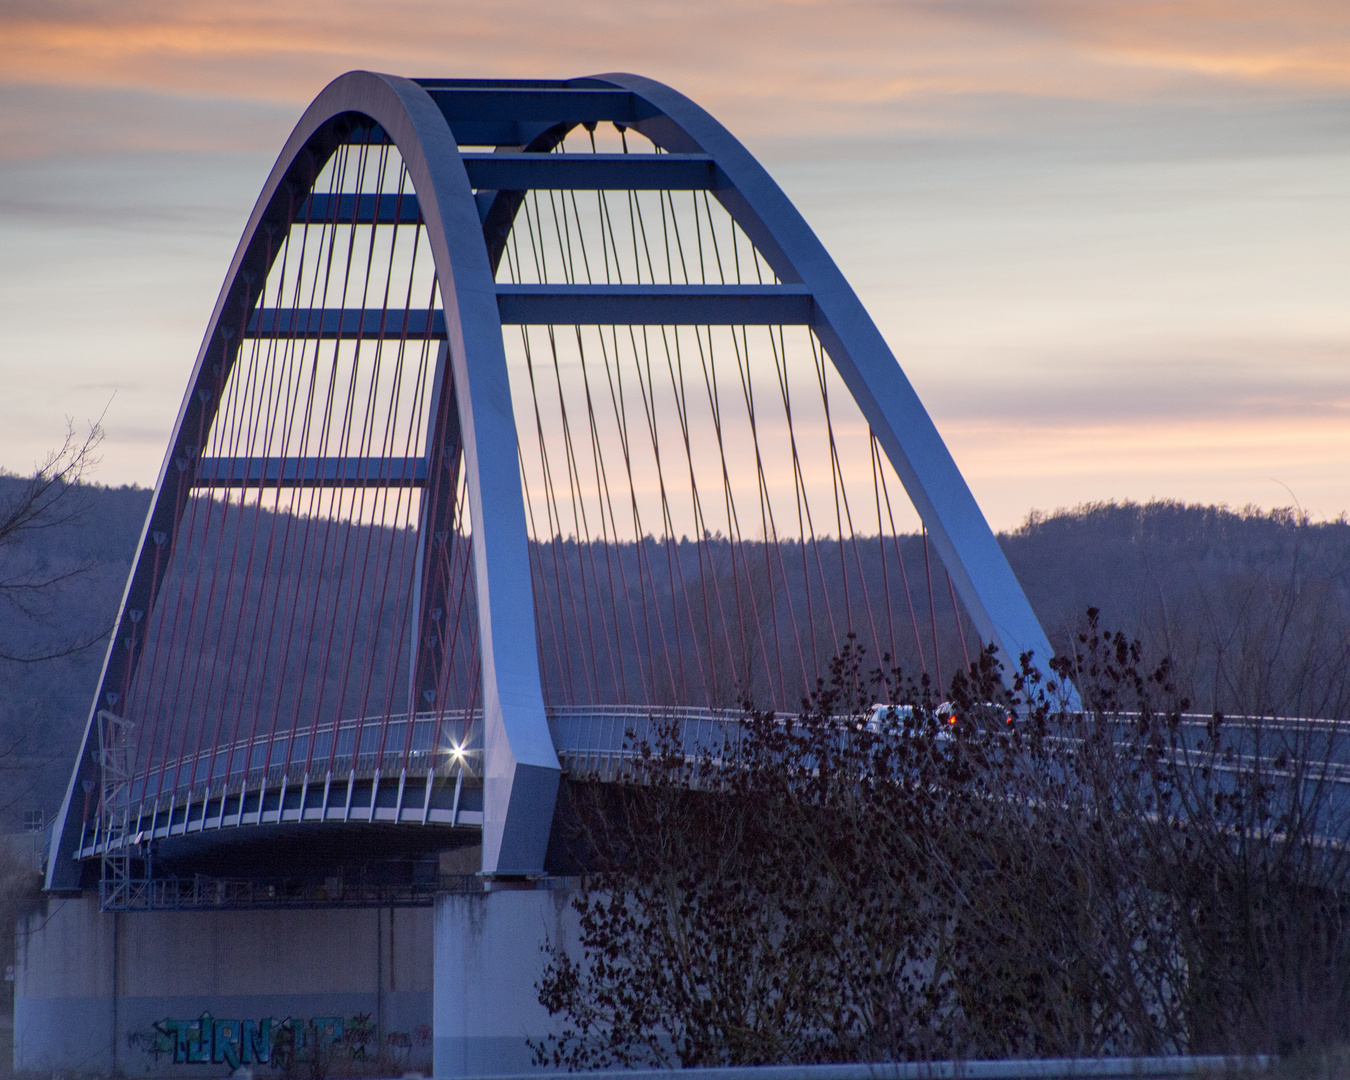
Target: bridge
[[531, 414], [528, 410]]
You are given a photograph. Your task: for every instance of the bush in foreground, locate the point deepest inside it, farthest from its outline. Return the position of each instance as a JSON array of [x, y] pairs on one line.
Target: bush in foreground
[[848, 884]]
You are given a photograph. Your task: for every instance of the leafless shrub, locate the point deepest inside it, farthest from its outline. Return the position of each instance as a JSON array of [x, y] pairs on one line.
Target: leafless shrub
[[838, 885]]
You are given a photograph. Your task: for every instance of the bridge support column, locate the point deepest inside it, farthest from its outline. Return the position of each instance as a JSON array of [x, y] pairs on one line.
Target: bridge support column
[[488, 958], [182, 994]]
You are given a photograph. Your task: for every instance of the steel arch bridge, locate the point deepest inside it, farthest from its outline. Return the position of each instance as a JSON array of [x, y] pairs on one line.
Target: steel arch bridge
[[527, 408]]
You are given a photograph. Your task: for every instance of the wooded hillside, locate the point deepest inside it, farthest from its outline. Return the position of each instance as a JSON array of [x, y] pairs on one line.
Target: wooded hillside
[[1254, 607]]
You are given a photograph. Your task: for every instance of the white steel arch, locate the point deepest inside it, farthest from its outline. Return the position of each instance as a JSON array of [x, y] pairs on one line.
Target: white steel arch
[[521, 764], [979, 569], [521, 775]]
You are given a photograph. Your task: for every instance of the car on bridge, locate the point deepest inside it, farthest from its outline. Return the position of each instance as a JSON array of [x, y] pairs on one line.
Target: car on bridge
[[985, 715]]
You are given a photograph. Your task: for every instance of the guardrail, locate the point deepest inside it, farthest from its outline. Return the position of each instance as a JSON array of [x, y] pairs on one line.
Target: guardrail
[[357, 744], [588, 738], [201, 893], [1112, 1068], [595, 741]]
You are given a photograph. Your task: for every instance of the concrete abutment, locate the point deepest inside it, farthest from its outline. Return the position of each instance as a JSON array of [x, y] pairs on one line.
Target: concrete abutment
[[197, 993], [375, 991]]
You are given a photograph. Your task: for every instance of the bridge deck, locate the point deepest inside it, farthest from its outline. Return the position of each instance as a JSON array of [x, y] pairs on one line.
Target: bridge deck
[[363, 780], [378, 769]]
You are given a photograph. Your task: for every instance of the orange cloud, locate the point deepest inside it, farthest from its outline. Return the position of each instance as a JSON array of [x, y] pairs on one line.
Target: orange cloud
[[841, 64], [1299, 44]]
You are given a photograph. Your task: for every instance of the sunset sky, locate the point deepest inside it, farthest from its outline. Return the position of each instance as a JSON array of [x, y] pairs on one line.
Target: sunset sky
[[1109, 240]]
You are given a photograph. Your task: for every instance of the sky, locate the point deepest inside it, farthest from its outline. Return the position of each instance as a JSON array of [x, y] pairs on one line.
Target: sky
[[1108, 240]]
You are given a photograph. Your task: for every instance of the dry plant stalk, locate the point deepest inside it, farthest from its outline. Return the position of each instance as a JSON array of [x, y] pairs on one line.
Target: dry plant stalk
[[847, 886]]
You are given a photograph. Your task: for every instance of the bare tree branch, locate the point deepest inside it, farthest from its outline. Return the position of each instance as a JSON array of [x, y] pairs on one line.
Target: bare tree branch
[[56, 653], [44, 501]]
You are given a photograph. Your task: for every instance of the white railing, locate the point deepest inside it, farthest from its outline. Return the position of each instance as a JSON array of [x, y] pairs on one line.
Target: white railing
[[598, 741], [309, 753], [595, 741]]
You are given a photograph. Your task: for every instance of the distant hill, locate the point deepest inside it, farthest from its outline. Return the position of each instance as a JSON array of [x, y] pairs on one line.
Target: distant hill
[[43, 706], [1252, 604]]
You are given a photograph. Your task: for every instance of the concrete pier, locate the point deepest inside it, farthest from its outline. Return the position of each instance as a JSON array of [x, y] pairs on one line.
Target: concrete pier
[[199, 993], [488, 961]]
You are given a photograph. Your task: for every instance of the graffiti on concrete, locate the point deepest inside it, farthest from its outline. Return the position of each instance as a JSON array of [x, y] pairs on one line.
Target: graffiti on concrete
[[210, 1040], [399, 1045]]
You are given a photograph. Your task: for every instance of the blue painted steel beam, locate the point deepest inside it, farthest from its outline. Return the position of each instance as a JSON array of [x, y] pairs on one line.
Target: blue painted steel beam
[[655, 305], [368, 209], [590, 172], [499, 132], [561, 305], [234, 472], [524, 172], [551, 105], [327, 323], [460, 82]]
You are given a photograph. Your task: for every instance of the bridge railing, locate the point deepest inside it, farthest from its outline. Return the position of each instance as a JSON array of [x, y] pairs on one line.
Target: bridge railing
[[589, 739], [360, 745], [600, 741], [596, 740]]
